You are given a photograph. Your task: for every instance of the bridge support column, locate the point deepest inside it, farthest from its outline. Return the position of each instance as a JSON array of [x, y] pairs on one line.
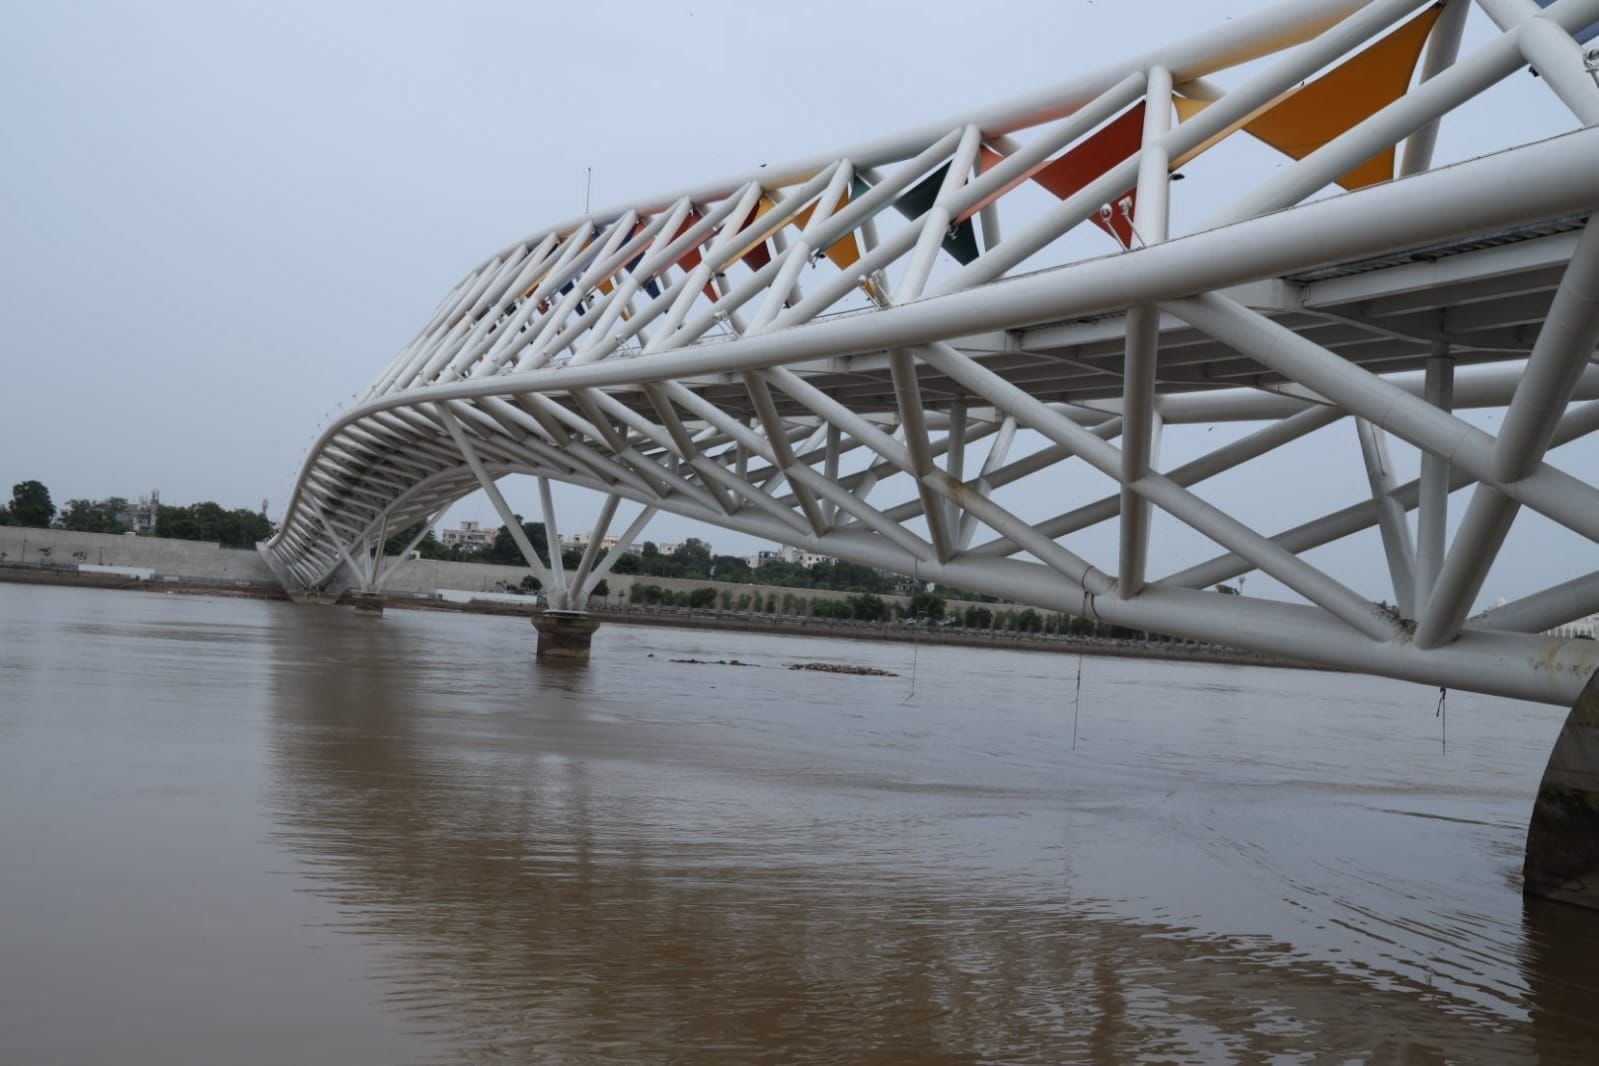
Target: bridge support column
[[564, 636], [368, 603], [1562, 860]]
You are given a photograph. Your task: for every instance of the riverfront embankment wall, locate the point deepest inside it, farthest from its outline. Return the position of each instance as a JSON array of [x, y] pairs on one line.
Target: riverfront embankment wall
[[53, 556], [188, 560], [199, 563]]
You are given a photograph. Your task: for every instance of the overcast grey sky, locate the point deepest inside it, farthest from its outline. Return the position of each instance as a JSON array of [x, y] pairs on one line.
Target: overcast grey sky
[[222, 219]]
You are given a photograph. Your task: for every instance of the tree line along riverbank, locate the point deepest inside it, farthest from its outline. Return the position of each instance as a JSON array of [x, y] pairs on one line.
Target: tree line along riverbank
[[738, 616]]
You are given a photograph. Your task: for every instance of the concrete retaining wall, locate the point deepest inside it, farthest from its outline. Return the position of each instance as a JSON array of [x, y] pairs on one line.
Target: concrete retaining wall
[[189, 559], [425, 577], [193, 560]]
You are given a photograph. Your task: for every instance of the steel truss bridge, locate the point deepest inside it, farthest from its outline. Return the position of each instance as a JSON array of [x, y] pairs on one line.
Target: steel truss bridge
[[777, 352]]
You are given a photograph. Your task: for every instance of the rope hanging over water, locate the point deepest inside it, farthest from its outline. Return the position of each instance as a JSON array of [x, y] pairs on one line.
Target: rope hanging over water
[[1077, 699], [916, 638], [1443, 720]]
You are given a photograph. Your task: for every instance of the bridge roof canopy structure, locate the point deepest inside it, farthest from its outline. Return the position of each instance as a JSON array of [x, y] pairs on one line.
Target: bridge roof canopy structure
[[776, 351]]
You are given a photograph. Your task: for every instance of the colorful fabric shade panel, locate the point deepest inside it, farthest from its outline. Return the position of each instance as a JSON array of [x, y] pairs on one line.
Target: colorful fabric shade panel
[[1074, 170], [845, 251], [913, 203], [755, 254], [691, 257], [632, 266], [1308, 117]]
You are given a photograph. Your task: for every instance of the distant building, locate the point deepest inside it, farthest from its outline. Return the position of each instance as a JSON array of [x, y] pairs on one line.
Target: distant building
[[796, 556], [580, 542], [669, 548], [468, 536], [1587, 627], [141, 517], [1582, 627]]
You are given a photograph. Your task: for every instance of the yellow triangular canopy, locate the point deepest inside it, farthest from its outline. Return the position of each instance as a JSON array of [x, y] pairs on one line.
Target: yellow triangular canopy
[[1303, 120]]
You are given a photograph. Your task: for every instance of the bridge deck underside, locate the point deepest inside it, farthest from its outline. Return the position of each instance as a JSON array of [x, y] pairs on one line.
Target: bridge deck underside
[[1486, 297]]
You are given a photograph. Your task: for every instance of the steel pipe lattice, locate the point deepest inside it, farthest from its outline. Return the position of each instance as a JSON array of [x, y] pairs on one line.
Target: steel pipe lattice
[[773, 353]]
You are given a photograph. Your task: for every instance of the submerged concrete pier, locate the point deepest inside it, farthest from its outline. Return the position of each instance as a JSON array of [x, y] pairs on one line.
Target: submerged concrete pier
[[367, 603], [565, 636]]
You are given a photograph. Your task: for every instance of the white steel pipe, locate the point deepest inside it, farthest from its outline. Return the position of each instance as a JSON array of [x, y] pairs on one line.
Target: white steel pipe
[[1433, 510]]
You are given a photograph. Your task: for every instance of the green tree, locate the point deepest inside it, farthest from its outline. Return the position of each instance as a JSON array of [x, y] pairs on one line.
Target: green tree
[[978, 618], [430, 547], [396, 543], [30, 504], [835, 573], [208, 521], [929, 605], [693, 558], [505, 551], [93, 516], [832, 609], [868, 608]]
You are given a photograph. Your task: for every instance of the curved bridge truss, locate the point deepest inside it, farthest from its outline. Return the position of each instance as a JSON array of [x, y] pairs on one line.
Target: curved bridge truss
[[776, 352]]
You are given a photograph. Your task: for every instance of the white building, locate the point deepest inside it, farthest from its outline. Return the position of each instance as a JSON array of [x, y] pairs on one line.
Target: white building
[[580, 541], [141, 517], [797, 556], [1582, 627], [468, 536]]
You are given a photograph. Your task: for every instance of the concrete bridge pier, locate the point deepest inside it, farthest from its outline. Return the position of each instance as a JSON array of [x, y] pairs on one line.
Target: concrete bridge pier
[[1562, 861], [368, 603], [564, 636]]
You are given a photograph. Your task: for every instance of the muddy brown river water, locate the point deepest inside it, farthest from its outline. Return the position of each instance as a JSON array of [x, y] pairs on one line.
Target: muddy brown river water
[[234, 831]]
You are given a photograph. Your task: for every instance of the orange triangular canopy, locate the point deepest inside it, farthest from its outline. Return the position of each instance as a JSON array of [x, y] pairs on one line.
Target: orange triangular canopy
[[844, 251], [1308, 117]]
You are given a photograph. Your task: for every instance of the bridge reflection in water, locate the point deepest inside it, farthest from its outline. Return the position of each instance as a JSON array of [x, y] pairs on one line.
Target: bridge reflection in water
[[656, 857]]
